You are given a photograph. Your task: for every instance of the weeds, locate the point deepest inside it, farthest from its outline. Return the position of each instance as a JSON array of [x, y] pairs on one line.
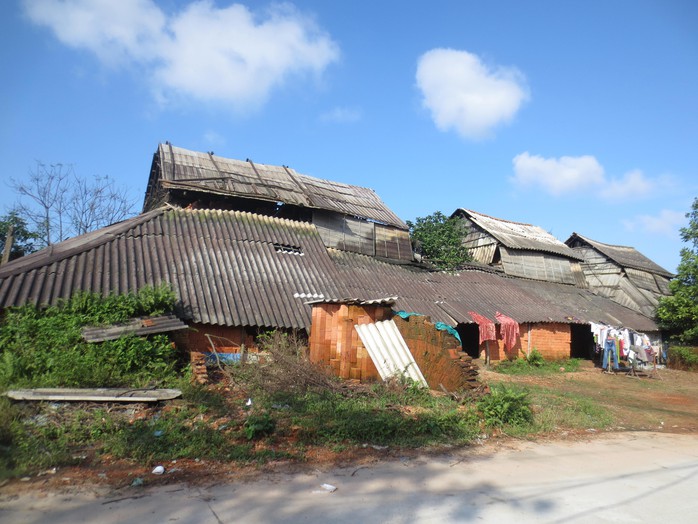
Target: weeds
[[259, 425], [506, 406], [291, 398], [555, 410], [535, 364]]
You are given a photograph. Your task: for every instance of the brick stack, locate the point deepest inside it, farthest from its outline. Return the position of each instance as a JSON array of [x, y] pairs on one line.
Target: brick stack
[[438, 354], [198, 367]]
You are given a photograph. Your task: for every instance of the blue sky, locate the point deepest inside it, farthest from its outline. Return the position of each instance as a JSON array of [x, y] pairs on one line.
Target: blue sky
[[576, 116]]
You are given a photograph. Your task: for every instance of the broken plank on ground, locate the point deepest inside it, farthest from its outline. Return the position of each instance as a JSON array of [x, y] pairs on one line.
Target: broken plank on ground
[[94, 394]]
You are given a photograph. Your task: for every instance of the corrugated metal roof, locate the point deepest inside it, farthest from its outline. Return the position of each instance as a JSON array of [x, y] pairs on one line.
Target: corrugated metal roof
[[516, 235], [241, 269], [624, 256], [227, 267], [449, 297], [178, 168], [389, 351]]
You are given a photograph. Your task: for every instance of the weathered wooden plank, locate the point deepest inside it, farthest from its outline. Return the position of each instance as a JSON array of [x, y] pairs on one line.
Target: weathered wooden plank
[[93, 395], [140, 326]]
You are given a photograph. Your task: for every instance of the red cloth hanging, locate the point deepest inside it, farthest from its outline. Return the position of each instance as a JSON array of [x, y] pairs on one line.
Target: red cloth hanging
[[487, 329], [509, 330]]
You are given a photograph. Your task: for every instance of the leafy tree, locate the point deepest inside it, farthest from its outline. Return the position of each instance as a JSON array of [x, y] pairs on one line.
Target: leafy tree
[[440, 240], [58, 204], [679, 312], [24, 240]]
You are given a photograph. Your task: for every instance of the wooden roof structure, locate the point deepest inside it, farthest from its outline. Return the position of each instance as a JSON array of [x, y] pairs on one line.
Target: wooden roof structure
[[178, 169], [521, 250], [623, 256], [622, 273]]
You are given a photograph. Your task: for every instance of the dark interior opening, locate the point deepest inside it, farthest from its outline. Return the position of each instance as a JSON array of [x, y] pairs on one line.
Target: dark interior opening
[[583, 344], [470, 337]]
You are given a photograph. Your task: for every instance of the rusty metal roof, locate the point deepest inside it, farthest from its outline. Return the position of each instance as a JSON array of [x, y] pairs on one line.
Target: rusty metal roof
[[624, 256], [227, 268], [178, 168], [516, 235]]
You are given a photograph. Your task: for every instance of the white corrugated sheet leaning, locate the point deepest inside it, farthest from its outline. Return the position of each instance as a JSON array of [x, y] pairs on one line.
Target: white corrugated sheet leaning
[[389, 352]]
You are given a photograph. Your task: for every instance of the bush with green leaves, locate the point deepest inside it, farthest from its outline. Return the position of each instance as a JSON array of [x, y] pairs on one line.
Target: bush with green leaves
[[683, 357], [535, 359], [259, 425], [505, 406], [43, 347]]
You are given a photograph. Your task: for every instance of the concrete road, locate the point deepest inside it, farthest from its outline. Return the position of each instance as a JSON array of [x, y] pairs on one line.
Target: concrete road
[[625, 477]]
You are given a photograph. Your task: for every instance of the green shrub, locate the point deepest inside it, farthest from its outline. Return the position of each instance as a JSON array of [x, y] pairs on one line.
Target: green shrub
[[44, 347], [505, 406], [258, 425], [535, 359], [683, 357]]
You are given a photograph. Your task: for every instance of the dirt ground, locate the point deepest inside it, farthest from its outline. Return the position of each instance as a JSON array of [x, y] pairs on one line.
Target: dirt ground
[[668, 403]]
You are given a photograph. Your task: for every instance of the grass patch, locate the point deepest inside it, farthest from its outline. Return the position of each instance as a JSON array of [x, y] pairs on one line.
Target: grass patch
[[381, 418], [534, 364], [295, 405], [555, 410]]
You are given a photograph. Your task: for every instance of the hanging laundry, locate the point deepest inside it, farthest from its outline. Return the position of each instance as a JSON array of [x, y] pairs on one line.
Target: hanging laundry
[[487, 328], [509, 330]]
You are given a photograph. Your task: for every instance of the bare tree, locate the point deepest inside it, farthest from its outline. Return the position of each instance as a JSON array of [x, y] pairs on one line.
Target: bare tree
[[47, 191], [58, 204], [97, 203]]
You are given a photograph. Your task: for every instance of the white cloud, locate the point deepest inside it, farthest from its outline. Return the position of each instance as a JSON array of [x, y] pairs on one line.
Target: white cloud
[[227, 55], [558, 175], [467, 96], [569, 174], [341, 115], [667, 223], [114, 31], [633, 184]]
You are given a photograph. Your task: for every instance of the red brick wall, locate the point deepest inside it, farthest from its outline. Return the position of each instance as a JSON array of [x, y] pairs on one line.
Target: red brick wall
[[435, 352], [227, 339], [334, 341], [552, 340]]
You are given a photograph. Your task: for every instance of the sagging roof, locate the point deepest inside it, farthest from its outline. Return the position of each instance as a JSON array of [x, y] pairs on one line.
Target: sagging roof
[[624, 256], [449, 297], [227, 267], [516, 235], [241, 269], [178, 168]]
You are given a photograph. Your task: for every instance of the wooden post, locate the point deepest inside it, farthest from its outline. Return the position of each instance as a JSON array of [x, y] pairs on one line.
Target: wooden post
[[9, 240]]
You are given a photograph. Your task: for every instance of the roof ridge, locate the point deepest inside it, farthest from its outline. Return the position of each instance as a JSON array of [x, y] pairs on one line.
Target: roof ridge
[[605, 243], [499, 219], [241, 212], [71, 246], [282, 166]]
